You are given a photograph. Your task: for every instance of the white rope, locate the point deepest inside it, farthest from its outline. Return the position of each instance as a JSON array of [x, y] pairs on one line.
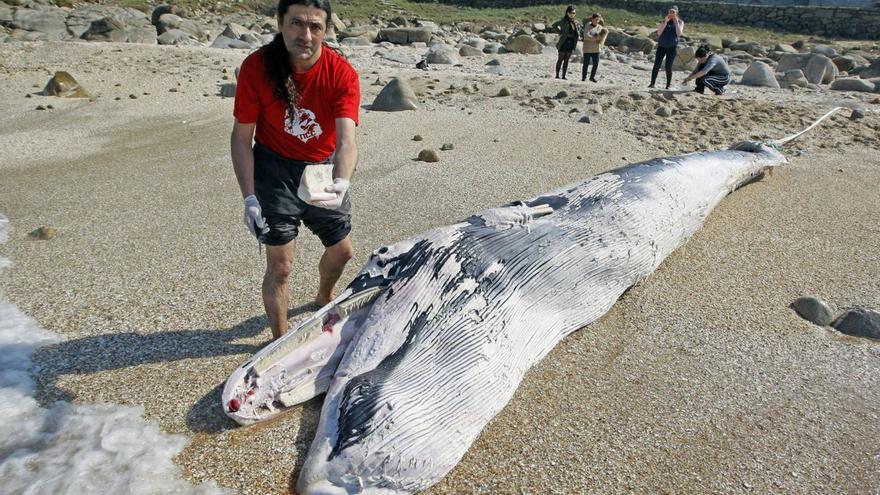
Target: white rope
[[782, 141]]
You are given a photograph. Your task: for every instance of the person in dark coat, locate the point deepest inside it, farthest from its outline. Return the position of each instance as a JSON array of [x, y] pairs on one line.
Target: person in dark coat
[[569, 34], [670, 30]]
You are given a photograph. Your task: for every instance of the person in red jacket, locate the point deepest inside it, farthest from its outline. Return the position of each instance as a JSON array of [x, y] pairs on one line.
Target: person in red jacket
[[296, 108]]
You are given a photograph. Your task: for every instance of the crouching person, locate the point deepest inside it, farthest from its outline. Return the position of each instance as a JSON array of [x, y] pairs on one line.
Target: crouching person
[[712, 72]]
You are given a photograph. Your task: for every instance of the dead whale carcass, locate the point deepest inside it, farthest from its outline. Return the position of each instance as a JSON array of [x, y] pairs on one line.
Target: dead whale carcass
[[443, 327]]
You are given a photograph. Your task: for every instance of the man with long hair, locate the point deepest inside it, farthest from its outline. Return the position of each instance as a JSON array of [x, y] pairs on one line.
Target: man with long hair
[[296, 108]]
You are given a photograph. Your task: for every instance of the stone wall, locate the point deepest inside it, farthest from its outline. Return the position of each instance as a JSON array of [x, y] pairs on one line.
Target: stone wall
[[811, 20]]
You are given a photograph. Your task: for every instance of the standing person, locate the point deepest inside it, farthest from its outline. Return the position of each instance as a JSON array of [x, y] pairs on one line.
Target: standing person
[[594, 39], [569, 33], [670, 31], [712, 72], [298, 100]]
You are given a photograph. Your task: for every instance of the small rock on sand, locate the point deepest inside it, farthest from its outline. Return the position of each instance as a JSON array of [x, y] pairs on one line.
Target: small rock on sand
[[664, 111], [504, 92], [396, 96], [417, 137], [428, 155], [859, 322], [44, 233], [813, 310], [447, 147], [64, 85]]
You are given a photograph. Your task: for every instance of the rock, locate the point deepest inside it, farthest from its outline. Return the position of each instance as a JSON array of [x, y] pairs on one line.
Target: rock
[[852, 84], [749, 47], [825, 50], [48, 21], [795, 77], [560, 95], [176, 37], [539, 27], [428, 155], [859, 322], [820, 70], [369, 32], [106, 29], [447, 147], [639, 44], [64, 85], [845, 63], [161, 10], [714, 42], [356, 41], [227, 90], [664, 111], [504, 92], [685, 58], [478, 43], [791, 61], [813, 310], [234, 31], [336, 22], [871, 71], [494, 61], [226, 42], [759, 74], [615, 37], [469, 51], [784, 48], [524, 44], [44, 233], [857, 114], [171, 22], [417, 137], [442, 54], [493, 48], [396, 96], [405, 36]]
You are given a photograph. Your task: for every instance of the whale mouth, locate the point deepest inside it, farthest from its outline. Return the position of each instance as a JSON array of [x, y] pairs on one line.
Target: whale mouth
[[300, 365]]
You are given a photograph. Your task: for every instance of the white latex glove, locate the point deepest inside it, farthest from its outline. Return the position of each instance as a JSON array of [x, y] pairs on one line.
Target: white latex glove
[[339, 187], [253, 216]]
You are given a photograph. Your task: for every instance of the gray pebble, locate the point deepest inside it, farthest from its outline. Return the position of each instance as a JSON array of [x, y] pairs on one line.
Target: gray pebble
[[447, 147], [857, 114], [664, 111], [427, 155]]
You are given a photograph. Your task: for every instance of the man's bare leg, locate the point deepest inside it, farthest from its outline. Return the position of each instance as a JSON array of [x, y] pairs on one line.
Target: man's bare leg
[[330, 268], [279, 261]]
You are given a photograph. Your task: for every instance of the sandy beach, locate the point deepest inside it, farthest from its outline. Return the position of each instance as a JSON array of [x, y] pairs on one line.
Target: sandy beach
[[699, 380]]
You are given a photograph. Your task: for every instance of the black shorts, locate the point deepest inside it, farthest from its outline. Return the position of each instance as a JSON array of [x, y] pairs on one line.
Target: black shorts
[[276, 180]]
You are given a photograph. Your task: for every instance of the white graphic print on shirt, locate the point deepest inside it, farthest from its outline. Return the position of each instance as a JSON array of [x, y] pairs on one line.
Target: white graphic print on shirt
[[302, 125]]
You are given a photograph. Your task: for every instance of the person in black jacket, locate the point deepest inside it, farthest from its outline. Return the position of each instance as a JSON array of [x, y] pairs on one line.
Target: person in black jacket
[[670, 31], [569, 34]]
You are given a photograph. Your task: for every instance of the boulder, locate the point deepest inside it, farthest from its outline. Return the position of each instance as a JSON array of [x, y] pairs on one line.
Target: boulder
[[871, 71], [168, 22], [792, 61], [469, 51], [371, 33], [356, 41], [524, 44], [396, 96], [478, 43], [714, 42], [853, 84], [639, 44], [494, 48], [442, 54], [784, 48], [685, 58], [825, 50], [845, 63], [615, 37], [820, 70], [749, 47], [48, 21], [176, 37], [795, 77], [234, 31], [106, 29], [227, 42], [405, 36], [759, 74]]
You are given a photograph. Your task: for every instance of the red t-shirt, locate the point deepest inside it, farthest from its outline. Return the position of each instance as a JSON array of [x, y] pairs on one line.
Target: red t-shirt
[[328, 90]]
